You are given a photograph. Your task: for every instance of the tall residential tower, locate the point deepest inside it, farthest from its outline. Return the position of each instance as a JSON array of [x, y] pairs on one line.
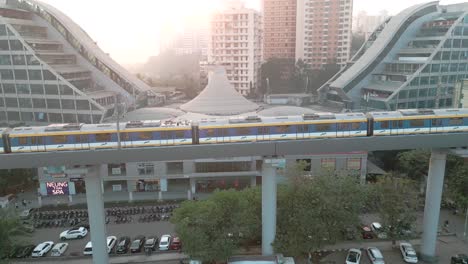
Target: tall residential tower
[[236, 42], [323, 32]]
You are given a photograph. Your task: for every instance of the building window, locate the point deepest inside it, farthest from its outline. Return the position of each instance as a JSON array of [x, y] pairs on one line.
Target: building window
[[145, 169], [328, 163]]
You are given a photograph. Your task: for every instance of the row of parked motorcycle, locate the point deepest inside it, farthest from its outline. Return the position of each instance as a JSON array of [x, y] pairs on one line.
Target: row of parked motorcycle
[[114, 215]]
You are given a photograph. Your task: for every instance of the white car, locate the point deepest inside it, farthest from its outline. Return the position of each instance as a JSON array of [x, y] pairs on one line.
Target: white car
[[165, 242], [408, 253], [375, 255], [42, 249], [354, 256], [77, 232], [59, 249], [378, 230], [111, 240]]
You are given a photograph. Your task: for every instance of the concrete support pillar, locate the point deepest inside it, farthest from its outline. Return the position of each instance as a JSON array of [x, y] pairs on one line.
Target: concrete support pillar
[[193, 185], [95, 200], [159, 196], [363, 174], [163, 184], [435, 183], [130, 196], [189, 194], [70, 199], [268, 208], [253, 181], [39, 200]]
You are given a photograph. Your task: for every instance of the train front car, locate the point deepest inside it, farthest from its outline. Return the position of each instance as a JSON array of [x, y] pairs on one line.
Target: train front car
[[420, 121]]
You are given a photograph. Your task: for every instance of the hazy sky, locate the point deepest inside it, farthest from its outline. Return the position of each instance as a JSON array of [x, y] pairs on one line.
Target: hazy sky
[[130, 31]]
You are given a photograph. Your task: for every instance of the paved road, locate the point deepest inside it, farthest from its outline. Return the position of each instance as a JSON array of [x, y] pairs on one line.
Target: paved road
[[169, 258]]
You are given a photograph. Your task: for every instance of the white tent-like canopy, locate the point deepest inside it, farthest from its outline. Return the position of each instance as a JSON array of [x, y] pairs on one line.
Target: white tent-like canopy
[[219, 97]]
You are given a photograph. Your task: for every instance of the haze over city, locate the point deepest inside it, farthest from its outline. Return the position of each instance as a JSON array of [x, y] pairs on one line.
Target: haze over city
[[145, 19]]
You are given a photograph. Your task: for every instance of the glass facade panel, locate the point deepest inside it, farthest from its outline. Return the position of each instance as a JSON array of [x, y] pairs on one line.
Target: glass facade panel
[[16, 45], [11, 102], [403, 94], [6, 75], [51, 89], [68, 104], [5, 60], [39, 103], [53, 117], [53, 103], [18, 59], [413, 94], [9, 88], [4, 45], [13, 116], [48, 75], [69, 118], [82, 105], [2, 30], [23, 89], [37, 89], [25, 102], [65, 90], [35, 75], [21, 75]]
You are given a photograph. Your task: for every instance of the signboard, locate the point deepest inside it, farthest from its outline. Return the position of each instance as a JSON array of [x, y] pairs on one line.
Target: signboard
[[57, 188], [276, 163], [116, 171]]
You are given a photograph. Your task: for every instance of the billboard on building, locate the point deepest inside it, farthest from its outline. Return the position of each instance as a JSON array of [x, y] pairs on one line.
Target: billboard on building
[[57, 188]]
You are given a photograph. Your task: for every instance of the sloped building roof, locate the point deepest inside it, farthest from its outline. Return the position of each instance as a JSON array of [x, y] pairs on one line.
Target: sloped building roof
[[219, 97]]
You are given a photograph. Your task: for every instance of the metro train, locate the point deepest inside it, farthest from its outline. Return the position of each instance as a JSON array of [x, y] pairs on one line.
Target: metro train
[[72, 137]]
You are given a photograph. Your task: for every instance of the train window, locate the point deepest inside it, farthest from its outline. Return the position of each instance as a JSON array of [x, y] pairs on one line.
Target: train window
[[456, 121], [303, 129], [397, 124], [59, 139], [81, 138], [282, 129], [210, 132], [263, 130], [323, 127], [145, 135], [384, 124], [166, 135], [23, 141], [355, 126], [436, 122], [417, 123], [224, 132], [180, 134], [103, 137], [36, 140], [243, 131], [125, 136], [343, 126]]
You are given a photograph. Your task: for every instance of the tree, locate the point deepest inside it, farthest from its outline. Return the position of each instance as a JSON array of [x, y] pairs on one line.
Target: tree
[[10, 229], [397, 204], [457, 186], [307, 203], [213, 229]]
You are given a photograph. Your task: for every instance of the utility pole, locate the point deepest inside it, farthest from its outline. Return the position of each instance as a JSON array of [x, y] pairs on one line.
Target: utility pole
[[117, 110]]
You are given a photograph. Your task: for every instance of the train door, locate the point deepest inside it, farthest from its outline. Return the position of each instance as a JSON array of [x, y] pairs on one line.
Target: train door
[[395, 127], [263, 133], [342, 129]]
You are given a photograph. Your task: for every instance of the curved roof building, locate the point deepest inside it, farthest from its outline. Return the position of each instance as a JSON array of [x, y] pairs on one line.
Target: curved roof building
[[219, 97], [413, 60], [52, 72]]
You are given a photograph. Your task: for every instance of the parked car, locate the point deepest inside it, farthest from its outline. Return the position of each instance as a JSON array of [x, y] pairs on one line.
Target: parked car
[[123, 245], [175, 244], [459, 259], [164, 242], [42, 249], [378, 230], [151, 243], [77, 232], [408, 253], [354, 256], [137, 244], [111, 240], [59, 249], [375, 255], [23, 251], [367, 233]]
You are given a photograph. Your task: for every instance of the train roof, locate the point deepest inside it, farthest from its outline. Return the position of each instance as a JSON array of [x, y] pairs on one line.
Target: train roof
[[419, 112], [279, 119]]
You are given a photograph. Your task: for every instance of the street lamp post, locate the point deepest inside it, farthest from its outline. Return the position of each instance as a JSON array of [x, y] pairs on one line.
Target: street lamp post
[[466, 224]]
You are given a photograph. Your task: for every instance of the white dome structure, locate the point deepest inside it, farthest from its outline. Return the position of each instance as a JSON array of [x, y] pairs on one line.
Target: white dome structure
[[219, 97]]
